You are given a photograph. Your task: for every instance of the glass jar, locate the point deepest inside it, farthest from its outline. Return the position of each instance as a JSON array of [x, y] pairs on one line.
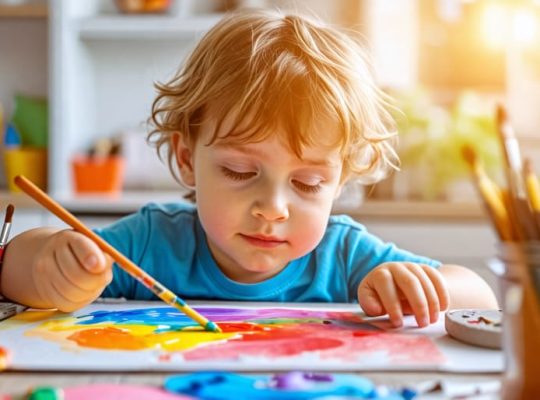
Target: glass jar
[[518, 270]]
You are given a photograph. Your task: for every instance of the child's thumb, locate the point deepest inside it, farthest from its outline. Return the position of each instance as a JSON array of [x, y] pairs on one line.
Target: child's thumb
[[94, 261]]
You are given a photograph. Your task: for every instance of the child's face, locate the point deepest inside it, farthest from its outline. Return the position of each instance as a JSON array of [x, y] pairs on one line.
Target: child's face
[[260, 205]]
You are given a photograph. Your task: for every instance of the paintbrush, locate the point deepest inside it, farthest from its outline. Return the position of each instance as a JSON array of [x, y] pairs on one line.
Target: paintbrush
[[533, 189], [4, 235], [490, 194], [520, 212], [127, 265]]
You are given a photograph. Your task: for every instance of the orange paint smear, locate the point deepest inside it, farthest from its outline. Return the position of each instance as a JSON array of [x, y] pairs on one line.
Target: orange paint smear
[[108, 338]]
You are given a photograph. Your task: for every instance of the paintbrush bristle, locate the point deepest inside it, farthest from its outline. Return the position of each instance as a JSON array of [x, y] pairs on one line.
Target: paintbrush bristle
[[469, 155], [9, 213], [501, 114], [503, 123]]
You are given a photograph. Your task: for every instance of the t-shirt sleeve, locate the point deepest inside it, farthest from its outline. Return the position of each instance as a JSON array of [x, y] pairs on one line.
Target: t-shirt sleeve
[[129, 235], [366, 251]]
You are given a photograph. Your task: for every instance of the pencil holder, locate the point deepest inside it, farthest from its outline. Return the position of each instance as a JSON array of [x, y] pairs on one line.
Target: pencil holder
[[98, 175], [518, 269], [28, 161]]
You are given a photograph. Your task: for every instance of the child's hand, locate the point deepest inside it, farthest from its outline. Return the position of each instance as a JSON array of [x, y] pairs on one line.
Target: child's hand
[[70, 271], [397, 288]]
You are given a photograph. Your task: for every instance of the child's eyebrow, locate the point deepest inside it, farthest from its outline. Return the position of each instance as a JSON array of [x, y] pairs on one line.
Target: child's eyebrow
[[251, 151]]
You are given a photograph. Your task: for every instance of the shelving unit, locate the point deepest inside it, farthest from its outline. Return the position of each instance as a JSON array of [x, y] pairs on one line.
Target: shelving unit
[[97, 56]]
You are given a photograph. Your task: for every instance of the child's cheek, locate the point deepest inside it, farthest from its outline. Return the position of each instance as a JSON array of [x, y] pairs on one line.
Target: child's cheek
[[309, 233]]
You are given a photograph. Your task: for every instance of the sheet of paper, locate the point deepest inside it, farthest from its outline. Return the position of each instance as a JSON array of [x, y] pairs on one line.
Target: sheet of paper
[[133, 336]]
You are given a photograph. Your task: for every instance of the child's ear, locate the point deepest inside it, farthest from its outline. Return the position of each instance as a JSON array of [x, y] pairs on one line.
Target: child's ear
[[184, 159]]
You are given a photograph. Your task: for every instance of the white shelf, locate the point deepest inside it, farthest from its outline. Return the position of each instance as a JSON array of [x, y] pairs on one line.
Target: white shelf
[[124, 203], [145, 26]]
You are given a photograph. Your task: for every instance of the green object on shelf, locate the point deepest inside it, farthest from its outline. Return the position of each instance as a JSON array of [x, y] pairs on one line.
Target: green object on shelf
[[32, 121]]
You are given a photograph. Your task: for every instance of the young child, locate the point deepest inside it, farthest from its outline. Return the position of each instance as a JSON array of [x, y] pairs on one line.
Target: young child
[[266, 121]]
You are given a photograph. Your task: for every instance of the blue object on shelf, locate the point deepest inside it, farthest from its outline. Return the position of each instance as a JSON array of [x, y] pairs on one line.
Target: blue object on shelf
[[12, 138]]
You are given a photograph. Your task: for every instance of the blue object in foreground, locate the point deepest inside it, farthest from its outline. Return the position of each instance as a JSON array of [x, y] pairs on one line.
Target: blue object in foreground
[[288, 386]]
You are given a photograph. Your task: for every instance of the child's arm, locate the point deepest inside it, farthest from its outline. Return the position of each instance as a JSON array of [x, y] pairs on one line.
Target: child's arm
[[51, 268], [467, 289], [396, 288]]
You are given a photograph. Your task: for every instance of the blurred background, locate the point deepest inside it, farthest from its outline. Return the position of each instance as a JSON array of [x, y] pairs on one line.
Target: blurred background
[[76, 88]]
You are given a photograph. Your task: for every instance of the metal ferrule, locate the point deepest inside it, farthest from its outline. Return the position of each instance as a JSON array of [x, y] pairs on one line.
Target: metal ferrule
[[5, 233]]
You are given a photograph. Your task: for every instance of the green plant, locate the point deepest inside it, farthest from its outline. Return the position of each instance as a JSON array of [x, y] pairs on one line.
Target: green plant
[[431, 138]]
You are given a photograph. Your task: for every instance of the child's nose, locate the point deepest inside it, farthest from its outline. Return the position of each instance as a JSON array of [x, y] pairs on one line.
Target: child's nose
[[271, 206]]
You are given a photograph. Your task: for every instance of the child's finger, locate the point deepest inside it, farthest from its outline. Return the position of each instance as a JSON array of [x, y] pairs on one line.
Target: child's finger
[[440, 286], [429, 291], [75, 294], [54, 296], [68, 289], [62, 294], [63, 303], [414, 293], [388, 295], [369, 301], [75, 273], [87, 253], [82, 285], [43, 286]]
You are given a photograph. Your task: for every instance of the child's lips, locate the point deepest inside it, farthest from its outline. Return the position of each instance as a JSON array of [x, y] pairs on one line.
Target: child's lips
[[263, 241]]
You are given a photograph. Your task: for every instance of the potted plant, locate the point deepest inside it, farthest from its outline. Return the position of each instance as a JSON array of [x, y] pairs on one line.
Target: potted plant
[[431, 139]]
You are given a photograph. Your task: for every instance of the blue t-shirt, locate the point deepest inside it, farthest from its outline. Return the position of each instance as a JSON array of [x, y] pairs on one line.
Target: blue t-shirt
[[168, 242]]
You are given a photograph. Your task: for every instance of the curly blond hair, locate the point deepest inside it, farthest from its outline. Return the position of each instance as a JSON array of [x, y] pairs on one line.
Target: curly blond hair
[[272, 69]]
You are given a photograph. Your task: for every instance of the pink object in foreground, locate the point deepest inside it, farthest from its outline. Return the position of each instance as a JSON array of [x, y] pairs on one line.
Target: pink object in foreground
[[118, 392]]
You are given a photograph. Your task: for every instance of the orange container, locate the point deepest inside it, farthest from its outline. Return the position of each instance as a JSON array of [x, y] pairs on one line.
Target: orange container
[[98, 175]]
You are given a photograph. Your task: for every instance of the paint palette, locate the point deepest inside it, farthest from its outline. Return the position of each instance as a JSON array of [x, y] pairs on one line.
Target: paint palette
[[477, 327]]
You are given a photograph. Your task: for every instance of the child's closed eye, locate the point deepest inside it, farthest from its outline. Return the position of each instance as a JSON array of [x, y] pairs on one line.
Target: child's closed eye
[[305, 187], [237, 175]]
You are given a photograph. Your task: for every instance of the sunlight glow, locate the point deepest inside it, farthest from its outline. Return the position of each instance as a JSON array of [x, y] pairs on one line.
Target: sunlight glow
[[495, 26], [525, 26]]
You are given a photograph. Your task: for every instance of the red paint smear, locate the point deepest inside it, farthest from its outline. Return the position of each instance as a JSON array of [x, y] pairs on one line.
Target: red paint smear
[[240, 327], [402, 348], [269, 348], [348, 317], [340, 343], [275, 332], [107, 338], [366, 333]]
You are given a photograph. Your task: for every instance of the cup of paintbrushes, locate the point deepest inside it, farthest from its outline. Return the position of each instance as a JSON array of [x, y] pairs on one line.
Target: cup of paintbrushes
[[518, 270]]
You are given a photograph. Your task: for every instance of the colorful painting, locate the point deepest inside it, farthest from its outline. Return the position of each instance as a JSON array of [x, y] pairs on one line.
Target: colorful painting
[[152, 336]]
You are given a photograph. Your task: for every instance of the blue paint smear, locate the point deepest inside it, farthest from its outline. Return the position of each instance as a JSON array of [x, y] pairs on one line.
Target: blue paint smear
[[167, 318]]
